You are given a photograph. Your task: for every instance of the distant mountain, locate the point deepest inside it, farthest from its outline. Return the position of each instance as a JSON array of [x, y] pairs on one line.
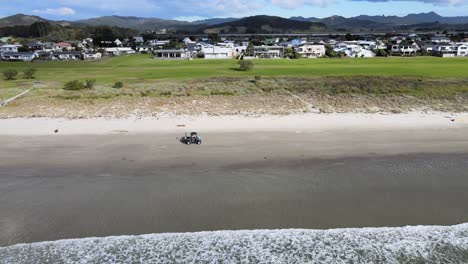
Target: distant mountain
[[138, 23], [265, 24], [20, 20], [415, 19], [261, 24], [214, 21]]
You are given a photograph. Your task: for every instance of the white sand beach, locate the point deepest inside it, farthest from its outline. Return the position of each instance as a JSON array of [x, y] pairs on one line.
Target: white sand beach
[[236, 123]]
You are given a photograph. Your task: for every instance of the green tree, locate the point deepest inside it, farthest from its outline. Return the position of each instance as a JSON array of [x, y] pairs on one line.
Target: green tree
[[329, 52], [29, 73], [40, 29], [10, 74]]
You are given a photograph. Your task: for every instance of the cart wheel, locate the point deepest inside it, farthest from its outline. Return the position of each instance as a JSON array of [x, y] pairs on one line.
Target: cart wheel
[[188, 143], [199, 143]]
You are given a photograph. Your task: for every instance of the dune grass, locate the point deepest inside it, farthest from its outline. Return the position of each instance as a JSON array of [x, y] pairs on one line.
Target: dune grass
[[142, 68]]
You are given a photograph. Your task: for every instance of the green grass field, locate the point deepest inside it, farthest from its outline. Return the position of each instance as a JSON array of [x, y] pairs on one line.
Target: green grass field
[[142, 68]]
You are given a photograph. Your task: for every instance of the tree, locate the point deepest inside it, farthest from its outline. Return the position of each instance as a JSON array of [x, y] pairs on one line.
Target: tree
[[29, 73], [245, 65], [40, 29], [329, 52], [10, 74]]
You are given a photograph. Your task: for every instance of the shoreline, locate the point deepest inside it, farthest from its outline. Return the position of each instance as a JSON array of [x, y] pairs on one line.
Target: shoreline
[[167, 123]]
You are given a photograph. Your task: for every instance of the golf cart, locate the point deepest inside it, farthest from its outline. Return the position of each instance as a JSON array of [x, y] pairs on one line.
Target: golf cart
[[193, 138]]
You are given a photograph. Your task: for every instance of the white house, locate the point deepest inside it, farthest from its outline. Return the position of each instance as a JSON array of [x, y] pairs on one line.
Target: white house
[[116, 51], [158, 43], [310, 50], [174, 54], [445, 50], [9, 48], [118, 43], [144, 49], [404, 48], [218, 52], [18, 56], [462, 50], [187, 40], [66, 55], [268, 52], [92, 56]]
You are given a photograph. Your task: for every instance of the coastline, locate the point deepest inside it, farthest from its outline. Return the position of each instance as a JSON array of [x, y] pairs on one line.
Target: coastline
[[169, 123]]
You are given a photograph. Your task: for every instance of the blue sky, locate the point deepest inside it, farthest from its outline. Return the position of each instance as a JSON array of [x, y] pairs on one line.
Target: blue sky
[[195, 9]]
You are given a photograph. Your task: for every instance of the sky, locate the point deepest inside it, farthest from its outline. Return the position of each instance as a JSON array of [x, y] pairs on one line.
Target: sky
[[195, 9]]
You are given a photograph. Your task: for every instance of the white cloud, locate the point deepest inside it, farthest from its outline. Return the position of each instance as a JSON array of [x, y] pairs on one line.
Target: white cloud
[[62, 11], [294, 4], [172, 8]]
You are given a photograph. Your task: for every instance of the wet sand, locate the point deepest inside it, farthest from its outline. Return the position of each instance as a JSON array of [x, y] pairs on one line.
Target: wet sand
[[65, 186]]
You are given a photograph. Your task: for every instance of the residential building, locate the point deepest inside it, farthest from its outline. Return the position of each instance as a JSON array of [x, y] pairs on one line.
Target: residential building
[[9, 48], [462, 50], [117, 51], [144, 49], [218, 52], [63, 46], [175, 54], [404, 48], [268, 52], [445, 50], [66, 55], [92, 55], [311, 50], [18, 56]]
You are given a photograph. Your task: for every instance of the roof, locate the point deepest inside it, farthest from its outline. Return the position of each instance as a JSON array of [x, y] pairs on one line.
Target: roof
[[63, 44], [173, 51], [67, 53], [18, 53]]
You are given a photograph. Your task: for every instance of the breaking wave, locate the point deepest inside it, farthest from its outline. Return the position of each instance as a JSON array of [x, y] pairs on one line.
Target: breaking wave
[[419, 244]]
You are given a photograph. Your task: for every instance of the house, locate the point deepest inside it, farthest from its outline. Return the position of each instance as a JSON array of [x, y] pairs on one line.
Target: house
[[64, 46], [118, 43], [187, 40], [9, 48], [440, 40], [35, 46], [176, 54], [445, 50], [18, 56], [311, 50], [353, 50], [404, 48], [268, 52], [218, 52], [92, 55], [66, 55], [462, 50], [138, 40], [116, 51], [158, 43], [144, 49]]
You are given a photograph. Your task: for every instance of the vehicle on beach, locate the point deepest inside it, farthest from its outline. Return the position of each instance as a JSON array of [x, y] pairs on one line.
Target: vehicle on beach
[[193, 138]]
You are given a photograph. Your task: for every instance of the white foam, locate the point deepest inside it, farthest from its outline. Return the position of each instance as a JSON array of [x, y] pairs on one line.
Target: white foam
[[419, 244]]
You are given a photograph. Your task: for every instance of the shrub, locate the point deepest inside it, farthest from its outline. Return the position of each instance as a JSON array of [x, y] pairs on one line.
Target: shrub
[[165, 93], [29, 73], [10, 74], [245, 65], [74, 85], [89, 84], [118, 85]]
